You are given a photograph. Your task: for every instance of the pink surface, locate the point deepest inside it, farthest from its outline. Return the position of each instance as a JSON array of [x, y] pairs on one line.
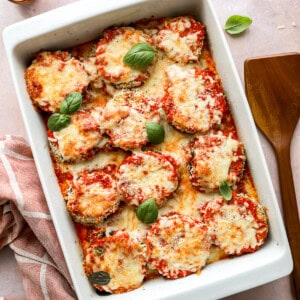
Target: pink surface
[[275, 29]]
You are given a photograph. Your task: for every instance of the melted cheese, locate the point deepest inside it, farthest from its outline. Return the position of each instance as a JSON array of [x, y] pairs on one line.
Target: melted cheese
[[178, 46], [99, 161], [113, 67], [90, 203], [153, 177], [123, 259], [179, 246], [235, 227], [215, 167], [57, 76], [75, 141], [193, 105], [124, 119]]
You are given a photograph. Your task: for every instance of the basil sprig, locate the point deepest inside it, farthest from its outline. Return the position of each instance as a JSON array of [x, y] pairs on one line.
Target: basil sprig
[[140, 55], [71, 104], [237, 24], [101, 278], [147, 212], [58, 121], [155, 132], [225, 190]]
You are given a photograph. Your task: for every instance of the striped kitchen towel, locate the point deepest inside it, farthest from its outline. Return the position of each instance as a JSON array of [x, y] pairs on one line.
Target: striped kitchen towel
[[26, 225]]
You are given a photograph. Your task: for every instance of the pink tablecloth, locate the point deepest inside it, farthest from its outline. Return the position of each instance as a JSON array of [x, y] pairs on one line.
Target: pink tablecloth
[[26, 225]]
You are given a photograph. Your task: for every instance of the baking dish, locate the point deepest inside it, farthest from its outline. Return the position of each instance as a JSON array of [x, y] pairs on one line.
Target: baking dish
[[83, 21]]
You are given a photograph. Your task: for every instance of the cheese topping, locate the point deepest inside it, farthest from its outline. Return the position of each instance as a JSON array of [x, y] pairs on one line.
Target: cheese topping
[[145, 175], [125, 116], [94, 196], [122, 258], [194, 101], [211, 160], [238, 226], [79, 139], [181, 39], [111, 50], [52, 76], [178, 245]]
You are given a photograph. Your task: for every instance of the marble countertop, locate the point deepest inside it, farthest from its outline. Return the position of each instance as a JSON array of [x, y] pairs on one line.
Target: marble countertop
[[275, 29]]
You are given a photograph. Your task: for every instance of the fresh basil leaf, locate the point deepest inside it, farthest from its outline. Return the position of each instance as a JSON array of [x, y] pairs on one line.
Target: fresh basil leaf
[[58, 121], [147, 212], [140, 55], [98, 250], [101, 278], [71, 104], [237, 24], [225, 190], [155, 132]]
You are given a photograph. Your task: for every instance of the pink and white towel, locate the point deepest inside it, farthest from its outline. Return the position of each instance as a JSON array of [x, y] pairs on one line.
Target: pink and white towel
[[26, 225]]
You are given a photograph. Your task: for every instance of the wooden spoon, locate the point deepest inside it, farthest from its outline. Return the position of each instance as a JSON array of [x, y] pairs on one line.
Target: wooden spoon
[[273, 91]]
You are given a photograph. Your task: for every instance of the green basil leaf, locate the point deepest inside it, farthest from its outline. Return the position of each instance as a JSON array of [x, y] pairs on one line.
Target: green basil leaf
[[237, 24], [155, 132], [225, 190], [71, 104], [140, 55], [101, 278], [98, 250], [147, 212], [58, 121]]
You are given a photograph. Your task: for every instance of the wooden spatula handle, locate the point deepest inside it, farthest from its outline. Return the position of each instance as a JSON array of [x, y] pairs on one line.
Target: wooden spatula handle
[[290, 210]]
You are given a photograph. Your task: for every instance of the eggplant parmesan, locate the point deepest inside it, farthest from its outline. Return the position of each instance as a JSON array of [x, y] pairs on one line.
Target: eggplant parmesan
[[111, 49], [214, 158], [141, 162], [125, 116], [79, 141], [93, 195], [177, 245], [237, 226], [181, 39], [147, 174], [194, 101], [52, 76], [119, 256]]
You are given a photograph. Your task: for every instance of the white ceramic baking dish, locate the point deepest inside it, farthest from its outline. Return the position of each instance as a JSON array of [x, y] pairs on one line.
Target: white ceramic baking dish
[[83, 21]]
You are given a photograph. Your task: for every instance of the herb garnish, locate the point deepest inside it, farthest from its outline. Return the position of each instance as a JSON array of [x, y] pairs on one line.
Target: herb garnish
[[225, 190], [71, 104], [155, 132], [101, 278], [237, 24], [140, 55], [147, 212]]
